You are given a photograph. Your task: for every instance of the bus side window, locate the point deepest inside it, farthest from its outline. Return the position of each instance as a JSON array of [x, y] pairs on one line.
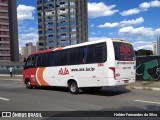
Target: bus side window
[[100, 53], [30, 62], [39, 60], [65, 57], [85, 55], [90, 54], [50, 59], [57, 58], [45, 60], [73, 56], [80, 55]]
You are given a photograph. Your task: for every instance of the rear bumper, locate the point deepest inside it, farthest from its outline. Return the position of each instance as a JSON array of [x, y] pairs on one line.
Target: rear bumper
[[124, 81]]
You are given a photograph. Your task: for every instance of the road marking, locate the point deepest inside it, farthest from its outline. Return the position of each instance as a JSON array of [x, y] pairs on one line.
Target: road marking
[[147, 101], [5, 99]]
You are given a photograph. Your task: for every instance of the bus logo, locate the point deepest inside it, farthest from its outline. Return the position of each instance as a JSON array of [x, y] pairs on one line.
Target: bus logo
[[63, 72]]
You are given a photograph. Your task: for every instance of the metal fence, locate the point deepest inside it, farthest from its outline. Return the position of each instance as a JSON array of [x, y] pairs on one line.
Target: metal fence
[[17, 67], [148, 68]]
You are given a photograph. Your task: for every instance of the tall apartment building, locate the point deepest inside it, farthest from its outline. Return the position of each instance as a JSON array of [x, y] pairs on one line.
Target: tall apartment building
[[158, 45], [9, 50], [154, 48], [62, 22]]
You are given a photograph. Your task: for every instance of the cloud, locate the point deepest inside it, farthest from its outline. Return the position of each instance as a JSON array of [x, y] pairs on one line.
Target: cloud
[[123, 23], [109, 25], [141, 31], [157, 31], [25, 12], [24, 29], [100, 9], [142, 43], [29, 36], [97, 38], [148, 47], [111, 33], [93, 33], [132, 22], [25, 38], [142, 7], [130, 12], [155, 3], [92, 25]]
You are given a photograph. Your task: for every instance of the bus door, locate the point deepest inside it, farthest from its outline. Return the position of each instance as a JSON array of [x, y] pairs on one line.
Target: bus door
[[30, 69]]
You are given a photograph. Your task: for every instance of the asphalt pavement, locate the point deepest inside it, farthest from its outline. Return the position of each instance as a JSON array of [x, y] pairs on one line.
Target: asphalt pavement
[[15, 97], [140, 85], [59, 99]]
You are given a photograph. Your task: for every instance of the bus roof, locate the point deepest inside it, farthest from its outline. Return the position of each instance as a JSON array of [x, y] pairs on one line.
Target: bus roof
[[42, 51], [120, 40], [82, 44]]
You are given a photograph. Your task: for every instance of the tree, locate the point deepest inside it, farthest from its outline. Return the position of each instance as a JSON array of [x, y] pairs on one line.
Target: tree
[[143, 52]]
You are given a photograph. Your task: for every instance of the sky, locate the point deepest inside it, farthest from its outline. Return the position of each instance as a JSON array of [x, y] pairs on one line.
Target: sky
[[137, 21]]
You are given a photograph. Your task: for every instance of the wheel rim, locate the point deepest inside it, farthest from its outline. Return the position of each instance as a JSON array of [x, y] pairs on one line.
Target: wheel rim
[[73, 87], [28, 84]]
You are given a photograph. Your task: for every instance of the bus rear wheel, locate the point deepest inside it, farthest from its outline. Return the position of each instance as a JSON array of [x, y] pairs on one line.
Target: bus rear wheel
[[28, 84], [73, 88]]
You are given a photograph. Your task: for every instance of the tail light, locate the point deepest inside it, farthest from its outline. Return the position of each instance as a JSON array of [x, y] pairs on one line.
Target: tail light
[[113, 69]]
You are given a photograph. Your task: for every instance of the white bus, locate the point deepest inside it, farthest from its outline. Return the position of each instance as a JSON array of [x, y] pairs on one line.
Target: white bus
[[109, 62]]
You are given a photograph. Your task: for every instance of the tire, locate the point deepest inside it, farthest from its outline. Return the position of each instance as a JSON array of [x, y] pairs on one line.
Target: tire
[[73, 88], [28, 84]]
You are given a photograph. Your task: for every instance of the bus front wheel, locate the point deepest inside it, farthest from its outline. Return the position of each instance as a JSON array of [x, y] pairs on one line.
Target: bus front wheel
[[73, 88], [28, 84]]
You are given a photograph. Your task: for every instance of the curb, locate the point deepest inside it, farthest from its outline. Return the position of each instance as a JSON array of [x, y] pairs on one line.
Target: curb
[[138, 88], [155, 89], [18, 80], [143, 88]]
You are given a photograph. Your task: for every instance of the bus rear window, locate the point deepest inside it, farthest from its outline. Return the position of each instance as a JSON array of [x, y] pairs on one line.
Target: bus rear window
[[123, 51]]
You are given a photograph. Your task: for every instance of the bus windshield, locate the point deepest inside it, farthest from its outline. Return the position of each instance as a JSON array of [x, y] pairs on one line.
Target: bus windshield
[[123, 51]]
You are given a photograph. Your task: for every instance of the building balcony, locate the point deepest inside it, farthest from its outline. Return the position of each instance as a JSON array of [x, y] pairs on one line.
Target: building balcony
[[4, 29], [41, 35], [48, 3], [3, 10], [41, 41], [39, 5], [5, 42], [73, 38], [39, 11], [40, 23], [5, 17], [4, 4], [40, 17], [4, 23], [4, 36], [41, 47], [40, 29], [73, 32], [50, 34], [4, 48], [5, 55], [51, 15]]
